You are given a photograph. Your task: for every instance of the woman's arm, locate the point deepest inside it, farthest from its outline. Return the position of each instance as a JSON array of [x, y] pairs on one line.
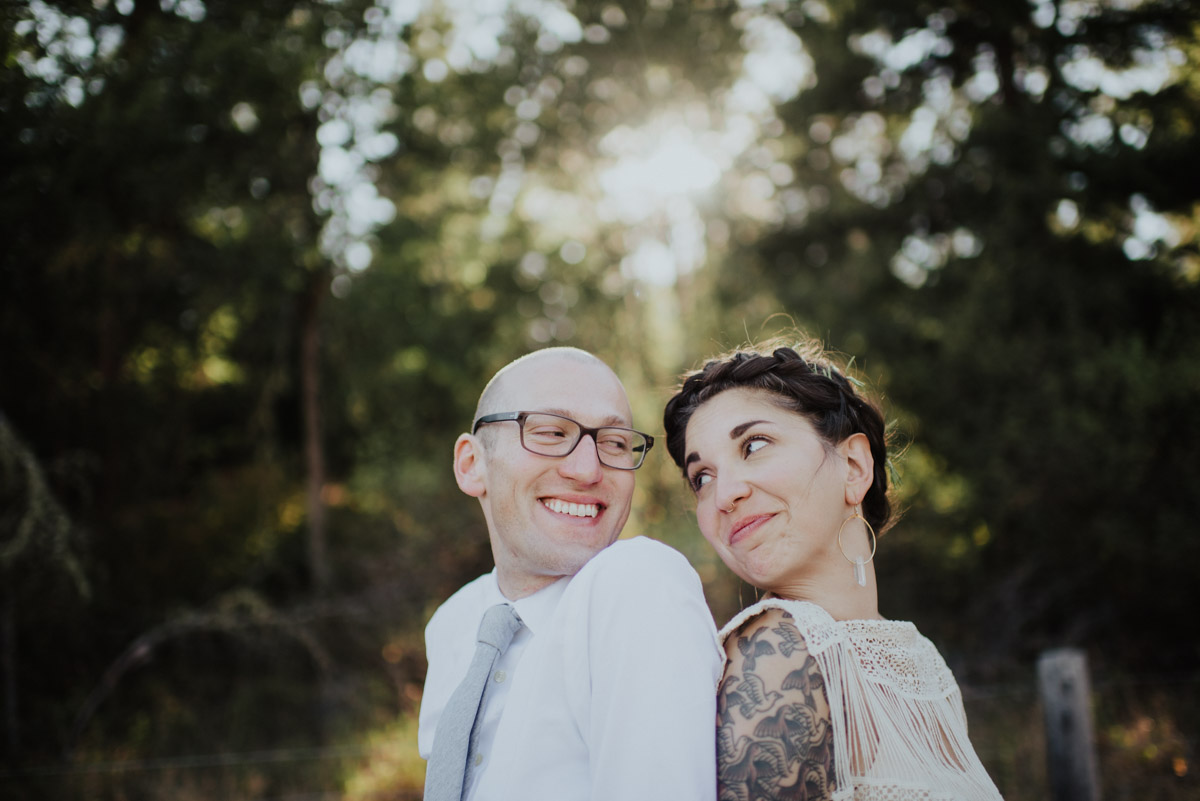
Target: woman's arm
[[774, 734]]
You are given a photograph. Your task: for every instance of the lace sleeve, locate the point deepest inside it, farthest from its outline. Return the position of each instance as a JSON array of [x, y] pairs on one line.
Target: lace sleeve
[[774, 735]]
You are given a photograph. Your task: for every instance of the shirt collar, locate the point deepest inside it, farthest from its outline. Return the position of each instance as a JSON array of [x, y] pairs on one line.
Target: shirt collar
[[535, 610]]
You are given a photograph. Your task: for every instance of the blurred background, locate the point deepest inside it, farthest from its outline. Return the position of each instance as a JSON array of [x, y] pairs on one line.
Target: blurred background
[[257, 260]]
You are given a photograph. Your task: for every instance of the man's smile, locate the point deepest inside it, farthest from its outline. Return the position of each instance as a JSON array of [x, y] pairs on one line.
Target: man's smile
[[573, 509]]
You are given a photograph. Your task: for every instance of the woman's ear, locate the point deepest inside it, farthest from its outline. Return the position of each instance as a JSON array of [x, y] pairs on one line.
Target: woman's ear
[[860, 464], [470, 466]]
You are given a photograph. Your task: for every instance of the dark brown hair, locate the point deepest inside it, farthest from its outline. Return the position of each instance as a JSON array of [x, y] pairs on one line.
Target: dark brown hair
[[809, 385]]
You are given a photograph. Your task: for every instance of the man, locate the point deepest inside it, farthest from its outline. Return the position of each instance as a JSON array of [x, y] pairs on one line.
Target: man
[[607, 690]]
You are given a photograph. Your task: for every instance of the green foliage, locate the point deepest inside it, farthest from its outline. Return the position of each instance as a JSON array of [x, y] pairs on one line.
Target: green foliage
[[1003, 240], [39, 535], [1045, 359], [159, 229]]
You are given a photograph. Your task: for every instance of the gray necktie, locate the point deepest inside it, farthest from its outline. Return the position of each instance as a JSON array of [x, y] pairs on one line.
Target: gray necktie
[[446, 773]]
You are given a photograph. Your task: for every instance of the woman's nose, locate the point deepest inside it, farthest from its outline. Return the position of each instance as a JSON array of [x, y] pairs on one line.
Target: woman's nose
[[730, 490]]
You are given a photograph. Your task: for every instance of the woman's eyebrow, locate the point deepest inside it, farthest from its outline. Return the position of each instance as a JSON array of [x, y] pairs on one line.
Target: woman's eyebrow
[[737, 431], [734, 433]]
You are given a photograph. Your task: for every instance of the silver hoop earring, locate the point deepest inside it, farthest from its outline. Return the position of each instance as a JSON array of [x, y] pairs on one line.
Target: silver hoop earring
[[860, 564]]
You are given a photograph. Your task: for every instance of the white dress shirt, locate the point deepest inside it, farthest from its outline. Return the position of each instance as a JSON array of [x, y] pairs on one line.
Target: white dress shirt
[[607, 694]]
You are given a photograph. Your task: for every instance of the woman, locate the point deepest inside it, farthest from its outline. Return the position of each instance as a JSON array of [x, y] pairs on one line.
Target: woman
[[821, 698]]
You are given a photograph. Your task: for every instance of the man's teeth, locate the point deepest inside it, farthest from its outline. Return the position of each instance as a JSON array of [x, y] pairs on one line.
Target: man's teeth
[[573, 509]]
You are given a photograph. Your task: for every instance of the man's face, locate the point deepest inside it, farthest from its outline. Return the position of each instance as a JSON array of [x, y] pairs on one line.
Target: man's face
[[548, 516]]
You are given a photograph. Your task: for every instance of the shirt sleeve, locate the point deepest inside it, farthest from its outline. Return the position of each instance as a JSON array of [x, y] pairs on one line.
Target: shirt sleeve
[[653, 663], [433, 696]]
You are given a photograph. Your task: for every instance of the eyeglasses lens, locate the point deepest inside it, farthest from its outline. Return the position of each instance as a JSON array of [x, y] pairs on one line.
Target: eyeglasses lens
[[551, 435]]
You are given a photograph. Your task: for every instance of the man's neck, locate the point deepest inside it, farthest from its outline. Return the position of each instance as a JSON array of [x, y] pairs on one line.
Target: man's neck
[[514, 588]]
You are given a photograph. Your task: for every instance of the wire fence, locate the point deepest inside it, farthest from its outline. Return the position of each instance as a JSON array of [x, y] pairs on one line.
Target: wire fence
[[1146, 738]]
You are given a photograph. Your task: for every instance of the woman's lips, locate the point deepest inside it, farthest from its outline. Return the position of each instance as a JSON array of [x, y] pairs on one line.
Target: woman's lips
[[746, 526]]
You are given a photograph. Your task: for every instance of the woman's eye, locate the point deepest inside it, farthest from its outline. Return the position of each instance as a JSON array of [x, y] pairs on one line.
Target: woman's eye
[[699, 480], [753, 444]]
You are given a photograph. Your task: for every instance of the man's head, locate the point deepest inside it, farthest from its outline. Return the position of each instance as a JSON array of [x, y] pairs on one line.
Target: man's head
[[547, 515]]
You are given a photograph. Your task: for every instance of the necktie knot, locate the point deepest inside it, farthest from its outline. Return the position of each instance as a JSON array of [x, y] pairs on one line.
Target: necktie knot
[[499, 625]]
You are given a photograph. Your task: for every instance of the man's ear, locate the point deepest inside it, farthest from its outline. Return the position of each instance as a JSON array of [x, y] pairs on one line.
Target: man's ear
[[860, 464], [470, 466]]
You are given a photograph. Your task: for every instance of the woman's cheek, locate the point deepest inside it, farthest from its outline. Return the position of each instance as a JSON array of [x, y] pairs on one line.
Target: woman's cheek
[[705, 520]]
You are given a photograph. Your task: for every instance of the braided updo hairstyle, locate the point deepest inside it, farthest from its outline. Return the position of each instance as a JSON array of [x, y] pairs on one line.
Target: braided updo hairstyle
[[808, 385]]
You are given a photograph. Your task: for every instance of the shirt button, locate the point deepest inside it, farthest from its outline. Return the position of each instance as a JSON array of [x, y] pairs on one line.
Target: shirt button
[[478, 760], [500, 676]]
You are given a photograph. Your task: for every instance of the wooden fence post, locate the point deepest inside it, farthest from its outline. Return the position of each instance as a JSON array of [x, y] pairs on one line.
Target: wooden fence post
[[1066, 694]]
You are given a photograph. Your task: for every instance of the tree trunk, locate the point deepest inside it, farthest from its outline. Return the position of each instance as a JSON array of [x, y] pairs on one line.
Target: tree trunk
[[314, 458], [8, 669], [314, 452]]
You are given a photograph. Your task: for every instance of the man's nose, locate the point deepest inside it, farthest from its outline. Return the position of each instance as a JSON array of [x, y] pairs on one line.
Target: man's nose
[[583, 463]]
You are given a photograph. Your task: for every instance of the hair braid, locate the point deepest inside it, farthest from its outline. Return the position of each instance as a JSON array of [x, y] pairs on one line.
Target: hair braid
[[809, 385]]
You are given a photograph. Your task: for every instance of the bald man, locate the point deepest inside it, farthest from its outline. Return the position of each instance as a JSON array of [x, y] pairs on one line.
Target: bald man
[[607, 690]]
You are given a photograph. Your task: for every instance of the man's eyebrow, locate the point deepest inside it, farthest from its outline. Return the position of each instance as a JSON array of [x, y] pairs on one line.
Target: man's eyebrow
[[611, 420], [734, 433]]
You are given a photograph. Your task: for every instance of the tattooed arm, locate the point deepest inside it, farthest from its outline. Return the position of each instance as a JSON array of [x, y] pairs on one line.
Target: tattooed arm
[[774, 733]]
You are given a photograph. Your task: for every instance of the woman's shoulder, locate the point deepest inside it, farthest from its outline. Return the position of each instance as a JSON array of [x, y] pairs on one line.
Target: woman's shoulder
[[770, 631], [805, 616], [751, 622], [772, 705], [899, 654]]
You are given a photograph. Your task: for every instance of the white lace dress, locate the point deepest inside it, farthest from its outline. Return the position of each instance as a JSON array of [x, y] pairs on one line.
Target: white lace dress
[[903, 732]]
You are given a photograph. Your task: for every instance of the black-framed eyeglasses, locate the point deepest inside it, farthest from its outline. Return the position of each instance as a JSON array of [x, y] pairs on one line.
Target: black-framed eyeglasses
[[549, 434]]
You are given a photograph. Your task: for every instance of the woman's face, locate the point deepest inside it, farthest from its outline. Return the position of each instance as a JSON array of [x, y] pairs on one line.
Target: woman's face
[[771, 494]]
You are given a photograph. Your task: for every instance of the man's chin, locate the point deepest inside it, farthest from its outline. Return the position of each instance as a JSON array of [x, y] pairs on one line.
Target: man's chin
[[572, 555]]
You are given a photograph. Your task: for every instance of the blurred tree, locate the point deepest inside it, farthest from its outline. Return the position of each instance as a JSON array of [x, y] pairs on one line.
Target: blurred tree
[[184, 184], [38, 539], [260, 257], [997, 215], [161, 240]]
